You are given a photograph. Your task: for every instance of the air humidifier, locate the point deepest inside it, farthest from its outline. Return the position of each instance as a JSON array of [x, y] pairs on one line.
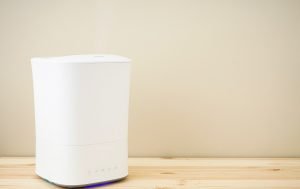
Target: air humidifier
[[81, 118]]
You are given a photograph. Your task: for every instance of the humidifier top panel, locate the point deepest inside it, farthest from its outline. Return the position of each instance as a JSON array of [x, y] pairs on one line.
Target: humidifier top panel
[[91, 58]]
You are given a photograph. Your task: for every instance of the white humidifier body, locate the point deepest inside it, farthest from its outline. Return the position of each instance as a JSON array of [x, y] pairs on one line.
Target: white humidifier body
[[81, 117]]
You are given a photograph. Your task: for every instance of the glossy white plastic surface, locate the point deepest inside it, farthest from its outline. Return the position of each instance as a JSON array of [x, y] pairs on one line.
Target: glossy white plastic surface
[[81, 117]]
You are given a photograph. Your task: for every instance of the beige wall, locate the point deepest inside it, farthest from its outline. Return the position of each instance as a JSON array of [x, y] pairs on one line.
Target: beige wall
[[210, 78]]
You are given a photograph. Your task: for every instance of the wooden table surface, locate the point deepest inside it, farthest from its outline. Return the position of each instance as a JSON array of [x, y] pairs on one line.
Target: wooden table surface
[[163, 173]]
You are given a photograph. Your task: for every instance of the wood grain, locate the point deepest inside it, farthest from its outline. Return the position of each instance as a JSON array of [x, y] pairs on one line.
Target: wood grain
[[165, 173]]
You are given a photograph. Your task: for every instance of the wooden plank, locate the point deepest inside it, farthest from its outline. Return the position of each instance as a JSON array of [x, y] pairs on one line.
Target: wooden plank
[[165, 173]]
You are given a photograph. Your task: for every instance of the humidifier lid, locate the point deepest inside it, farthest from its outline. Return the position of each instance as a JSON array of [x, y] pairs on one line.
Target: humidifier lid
[[90, 58]]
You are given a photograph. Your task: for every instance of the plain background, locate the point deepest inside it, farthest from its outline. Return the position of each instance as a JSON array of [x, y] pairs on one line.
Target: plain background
[[209, 78]]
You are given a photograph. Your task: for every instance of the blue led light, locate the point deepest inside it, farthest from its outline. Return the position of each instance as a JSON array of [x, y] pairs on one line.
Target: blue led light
[[99, 184]]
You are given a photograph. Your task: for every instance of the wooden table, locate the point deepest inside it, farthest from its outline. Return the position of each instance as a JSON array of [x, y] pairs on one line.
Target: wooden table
[[166, 173]]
